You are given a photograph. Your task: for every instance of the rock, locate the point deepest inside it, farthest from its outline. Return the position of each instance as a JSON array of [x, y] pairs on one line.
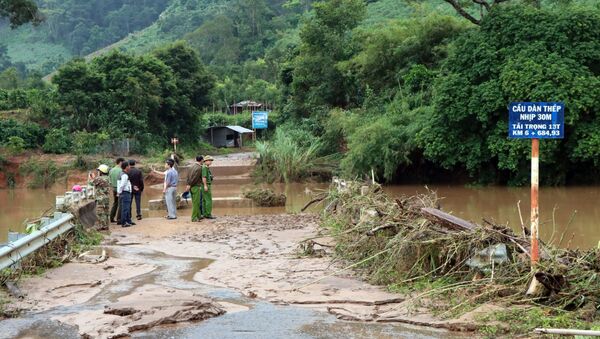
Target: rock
[[121, 312], [146, 307]]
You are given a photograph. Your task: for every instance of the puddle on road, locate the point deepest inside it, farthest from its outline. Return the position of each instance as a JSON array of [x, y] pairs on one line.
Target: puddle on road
[[38, 329], [266, 320], [260, 320], [171, 271]]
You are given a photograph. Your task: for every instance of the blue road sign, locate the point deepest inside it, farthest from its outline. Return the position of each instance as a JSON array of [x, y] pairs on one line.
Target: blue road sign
[[536, 120], [260, 120]]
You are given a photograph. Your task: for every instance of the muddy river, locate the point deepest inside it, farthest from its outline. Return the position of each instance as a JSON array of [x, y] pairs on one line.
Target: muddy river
[[574, 211]]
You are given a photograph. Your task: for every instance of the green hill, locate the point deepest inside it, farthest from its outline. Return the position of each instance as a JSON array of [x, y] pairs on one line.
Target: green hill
[[74, 28]]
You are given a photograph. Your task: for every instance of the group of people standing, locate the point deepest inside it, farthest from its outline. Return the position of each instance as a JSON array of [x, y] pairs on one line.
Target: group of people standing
[[198, 185], [126, 182]]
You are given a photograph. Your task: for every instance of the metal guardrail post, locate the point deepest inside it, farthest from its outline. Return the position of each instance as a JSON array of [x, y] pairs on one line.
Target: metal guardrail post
[[50, 228], [13, 252]]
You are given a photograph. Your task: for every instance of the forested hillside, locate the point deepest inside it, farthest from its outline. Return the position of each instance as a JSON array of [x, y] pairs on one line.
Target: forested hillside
[[74, 28], [413, 90]]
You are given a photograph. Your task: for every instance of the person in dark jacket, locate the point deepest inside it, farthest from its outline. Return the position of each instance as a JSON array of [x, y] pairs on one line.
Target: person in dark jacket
[[194, 181], [137, 183]]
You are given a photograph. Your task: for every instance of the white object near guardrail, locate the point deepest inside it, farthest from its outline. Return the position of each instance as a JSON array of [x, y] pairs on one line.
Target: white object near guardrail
[[67, 199], [13, 252], [60, 202]]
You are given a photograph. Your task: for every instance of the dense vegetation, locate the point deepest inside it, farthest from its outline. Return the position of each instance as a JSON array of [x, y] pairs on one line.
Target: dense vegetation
[[410, 90], [72, 28]]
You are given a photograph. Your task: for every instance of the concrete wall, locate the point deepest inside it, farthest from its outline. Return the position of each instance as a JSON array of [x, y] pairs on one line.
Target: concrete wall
[[219, 137]]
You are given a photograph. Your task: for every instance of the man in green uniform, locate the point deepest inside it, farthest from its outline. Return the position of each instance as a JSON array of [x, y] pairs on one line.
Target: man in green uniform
[[113, 177], [207, 192], [102, 190], [193, 184]]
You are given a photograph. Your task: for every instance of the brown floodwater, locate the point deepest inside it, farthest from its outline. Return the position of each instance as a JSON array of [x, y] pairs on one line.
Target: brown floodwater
[[574, 211]]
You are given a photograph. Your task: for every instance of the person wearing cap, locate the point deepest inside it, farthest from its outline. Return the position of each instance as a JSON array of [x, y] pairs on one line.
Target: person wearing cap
[[170, 189], [207, 185], [193, 183], [137, 181], [102, 189]]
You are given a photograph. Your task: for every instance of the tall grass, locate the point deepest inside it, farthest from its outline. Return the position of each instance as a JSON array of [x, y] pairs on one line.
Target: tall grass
[[286, 159]]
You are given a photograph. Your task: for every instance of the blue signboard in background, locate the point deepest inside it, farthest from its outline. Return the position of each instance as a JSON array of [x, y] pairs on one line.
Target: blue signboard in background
[[260, 120], [536, 120]]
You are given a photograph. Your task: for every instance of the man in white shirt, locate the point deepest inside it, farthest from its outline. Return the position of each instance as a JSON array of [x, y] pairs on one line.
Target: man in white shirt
[[124, 193]]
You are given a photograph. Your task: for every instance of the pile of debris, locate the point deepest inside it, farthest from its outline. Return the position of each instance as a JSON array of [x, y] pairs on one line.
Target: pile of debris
[[401, 241], [265, 197]]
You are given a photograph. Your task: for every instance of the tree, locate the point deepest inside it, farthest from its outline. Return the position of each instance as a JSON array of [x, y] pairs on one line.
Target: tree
[[193, 82], [326, 41], [388, 53], [20, 12], [4, 58], [79, 89], [485, 6], [468, 8], [518, 54]]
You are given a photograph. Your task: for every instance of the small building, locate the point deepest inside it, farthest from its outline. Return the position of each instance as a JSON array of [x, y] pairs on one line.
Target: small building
[[245, 106], [228, 136]]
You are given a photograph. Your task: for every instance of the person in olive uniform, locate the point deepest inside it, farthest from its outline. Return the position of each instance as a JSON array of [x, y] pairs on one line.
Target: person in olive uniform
[[102, 188], [113, 176], [207, 191], [193, 185]]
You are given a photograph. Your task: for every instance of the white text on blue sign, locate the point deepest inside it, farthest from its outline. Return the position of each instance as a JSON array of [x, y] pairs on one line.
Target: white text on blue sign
[[536, 120]]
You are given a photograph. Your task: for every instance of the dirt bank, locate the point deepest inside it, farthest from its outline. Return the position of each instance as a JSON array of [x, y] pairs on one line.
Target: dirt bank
[[145, 282]]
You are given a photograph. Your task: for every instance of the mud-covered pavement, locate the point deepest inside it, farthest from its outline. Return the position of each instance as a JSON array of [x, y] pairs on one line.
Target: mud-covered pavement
[[227, 278]]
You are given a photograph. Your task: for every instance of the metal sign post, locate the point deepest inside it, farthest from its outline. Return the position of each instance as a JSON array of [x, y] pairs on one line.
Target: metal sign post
[[174, 141], [535, 215], [536, 120]]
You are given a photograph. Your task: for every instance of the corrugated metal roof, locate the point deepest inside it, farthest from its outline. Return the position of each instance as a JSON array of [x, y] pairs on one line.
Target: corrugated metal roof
[[239, 129]]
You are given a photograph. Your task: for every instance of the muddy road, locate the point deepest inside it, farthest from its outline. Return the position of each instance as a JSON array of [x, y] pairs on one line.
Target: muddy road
[[234, 277]]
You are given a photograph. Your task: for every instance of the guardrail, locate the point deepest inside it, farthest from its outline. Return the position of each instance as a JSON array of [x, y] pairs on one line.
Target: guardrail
[[49, 228], [13, 252]]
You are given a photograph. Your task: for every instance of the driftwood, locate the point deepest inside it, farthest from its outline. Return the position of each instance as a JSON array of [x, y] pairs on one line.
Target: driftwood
[[379, 228], [14, 290], [544, 284], [345, 314], [356, 302], [447, 220], [318, 199], [566, 331]]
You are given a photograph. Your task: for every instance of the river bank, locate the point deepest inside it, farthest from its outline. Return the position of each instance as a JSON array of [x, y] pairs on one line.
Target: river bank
[[156, 265], [177, 272], [572, 210]]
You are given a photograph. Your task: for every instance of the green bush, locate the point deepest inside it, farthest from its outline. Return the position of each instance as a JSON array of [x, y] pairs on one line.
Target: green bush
[[58, 141], [3, 162], [15, 145], [31, 133], [88, 143], [14, 99]]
